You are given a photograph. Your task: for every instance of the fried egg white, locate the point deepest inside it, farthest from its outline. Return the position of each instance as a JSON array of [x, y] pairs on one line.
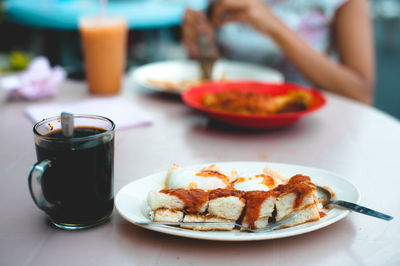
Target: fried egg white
[[206, 179], [256, 181]]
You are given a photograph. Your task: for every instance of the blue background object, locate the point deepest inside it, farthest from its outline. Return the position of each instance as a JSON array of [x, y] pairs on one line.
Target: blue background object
[[64, 14]]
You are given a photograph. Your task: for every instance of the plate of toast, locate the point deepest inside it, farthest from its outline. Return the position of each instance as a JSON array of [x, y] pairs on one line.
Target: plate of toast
[[253, 194]]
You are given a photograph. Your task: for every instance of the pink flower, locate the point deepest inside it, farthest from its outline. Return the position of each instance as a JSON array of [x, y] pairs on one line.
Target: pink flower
[[38, 81]]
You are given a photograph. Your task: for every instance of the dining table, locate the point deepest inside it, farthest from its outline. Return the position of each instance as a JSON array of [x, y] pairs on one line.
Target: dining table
[[351, 139]]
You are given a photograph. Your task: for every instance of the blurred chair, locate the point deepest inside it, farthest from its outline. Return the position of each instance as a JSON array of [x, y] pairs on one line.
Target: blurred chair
[[386, 17], [388, 13]]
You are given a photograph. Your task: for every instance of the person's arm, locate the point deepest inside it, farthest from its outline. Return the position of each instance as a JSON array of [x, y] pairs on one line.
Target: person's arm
[[353, 76]]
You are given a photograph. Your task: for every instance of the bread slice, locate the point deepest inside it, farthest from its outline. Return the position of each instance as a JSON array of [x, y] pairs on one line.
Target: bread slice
[[167, 215], [226, 207], [286, 204], [307, 214], [187, 200], [158, 200], [226, 203], [203, 218], [298, 193]]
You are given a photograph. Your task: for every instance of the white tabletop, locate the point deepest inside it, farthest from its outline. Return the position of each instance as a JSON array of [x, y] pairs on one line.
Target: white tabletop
[[351, 139]]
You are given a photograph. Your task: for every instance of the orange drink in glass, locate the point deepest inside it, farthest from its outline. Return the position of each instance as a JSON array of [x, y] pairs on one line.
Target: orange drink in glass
[[104, 41]]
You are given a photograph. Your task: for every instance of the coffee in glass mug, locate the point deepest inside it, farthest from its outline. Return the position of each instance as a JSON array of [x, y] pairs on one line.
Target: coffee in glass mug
[[73, 179]]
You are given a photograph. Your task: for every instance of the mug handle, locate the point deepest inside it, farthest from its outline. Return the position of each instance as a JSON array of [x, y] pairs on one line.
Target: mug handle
[[35, 185]]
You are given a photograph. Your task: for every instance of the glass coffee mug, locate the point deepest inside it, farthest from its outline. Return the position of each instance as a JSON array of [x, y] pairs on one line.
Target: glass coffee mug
[[73, 179]]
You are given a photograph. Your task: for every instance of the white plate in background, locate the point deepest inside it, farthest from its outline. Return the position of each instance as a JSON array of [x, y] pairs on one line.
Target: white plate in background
[[183, 70]]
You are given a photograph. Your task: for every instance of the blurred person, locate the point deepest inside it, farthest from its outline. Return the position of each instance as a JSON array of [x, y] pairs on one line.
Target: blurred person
[[327, 43]]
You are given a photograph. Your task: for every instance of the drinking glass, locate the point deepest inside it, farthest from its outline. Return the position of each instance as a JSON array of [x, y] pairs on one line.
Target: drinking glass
[[72, 182]]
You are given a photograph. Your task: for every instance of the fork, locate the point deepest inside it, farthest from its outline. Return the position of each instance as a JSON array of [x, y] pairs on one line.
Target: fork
[[268, 228], [208, 56], [208, 49]]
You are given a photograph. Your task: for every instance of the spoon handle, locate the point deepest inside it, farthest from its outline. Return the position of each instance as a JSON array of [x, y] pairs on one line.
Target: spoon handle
[[67, 124], [361, 209]]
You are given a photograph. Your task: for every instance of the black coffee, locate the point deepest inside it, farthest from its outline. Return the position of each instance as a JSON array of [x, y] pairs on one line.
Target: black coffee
[[80, 179]]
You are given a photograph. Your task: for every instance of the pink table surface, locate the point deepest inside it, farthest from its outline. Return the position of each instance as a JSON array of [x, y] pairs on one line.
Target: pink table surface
[[351, 139]]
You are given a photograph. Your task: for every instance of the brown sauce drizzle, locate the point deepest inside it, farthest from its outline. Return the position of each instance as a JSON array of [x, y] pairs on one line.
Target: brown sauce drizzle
[[267, 180], [192, 198], [239, 180], [254, 200], [212, 173], [301, 190], [322, 214], [220, 192], [299, 179], [298, 184]]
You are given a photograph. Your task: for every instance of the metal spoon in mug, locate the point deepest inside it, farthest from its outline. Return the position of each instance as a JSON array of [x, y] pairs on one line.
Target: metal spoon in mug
[[67, 124], [325, 197]]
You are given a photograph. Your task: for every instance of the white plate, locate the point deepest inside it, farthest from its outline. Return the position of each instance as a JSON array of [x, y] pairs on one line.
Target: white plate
[[180, 70], [131, 203]]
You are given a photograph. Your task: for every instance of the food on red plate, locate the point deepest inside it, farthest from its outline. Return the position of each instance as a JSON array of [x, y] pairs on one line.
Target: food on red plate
[[254, 199], [250, 103], [258, 105]]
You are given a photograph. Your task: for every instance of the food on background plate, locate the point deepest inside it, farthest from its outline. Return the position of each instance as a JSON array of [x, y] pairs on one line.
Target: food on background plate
[[253, 199], [175, 86], [250, 103], [181, 85]]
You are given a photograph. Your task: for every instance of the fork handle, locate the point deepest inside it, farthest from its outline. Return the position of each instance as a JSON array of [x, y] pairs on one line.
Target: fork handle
[[360, 209]]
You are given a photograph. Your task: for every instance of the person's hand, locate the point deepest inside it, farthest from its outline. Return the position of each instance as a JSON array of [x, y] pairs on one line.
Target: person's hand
[[252, 12], [194, 24]]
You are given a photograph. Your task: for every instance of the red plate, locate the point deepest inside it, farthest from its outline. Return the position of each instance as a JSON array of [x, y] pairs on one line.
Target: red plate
[[194, 97]]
